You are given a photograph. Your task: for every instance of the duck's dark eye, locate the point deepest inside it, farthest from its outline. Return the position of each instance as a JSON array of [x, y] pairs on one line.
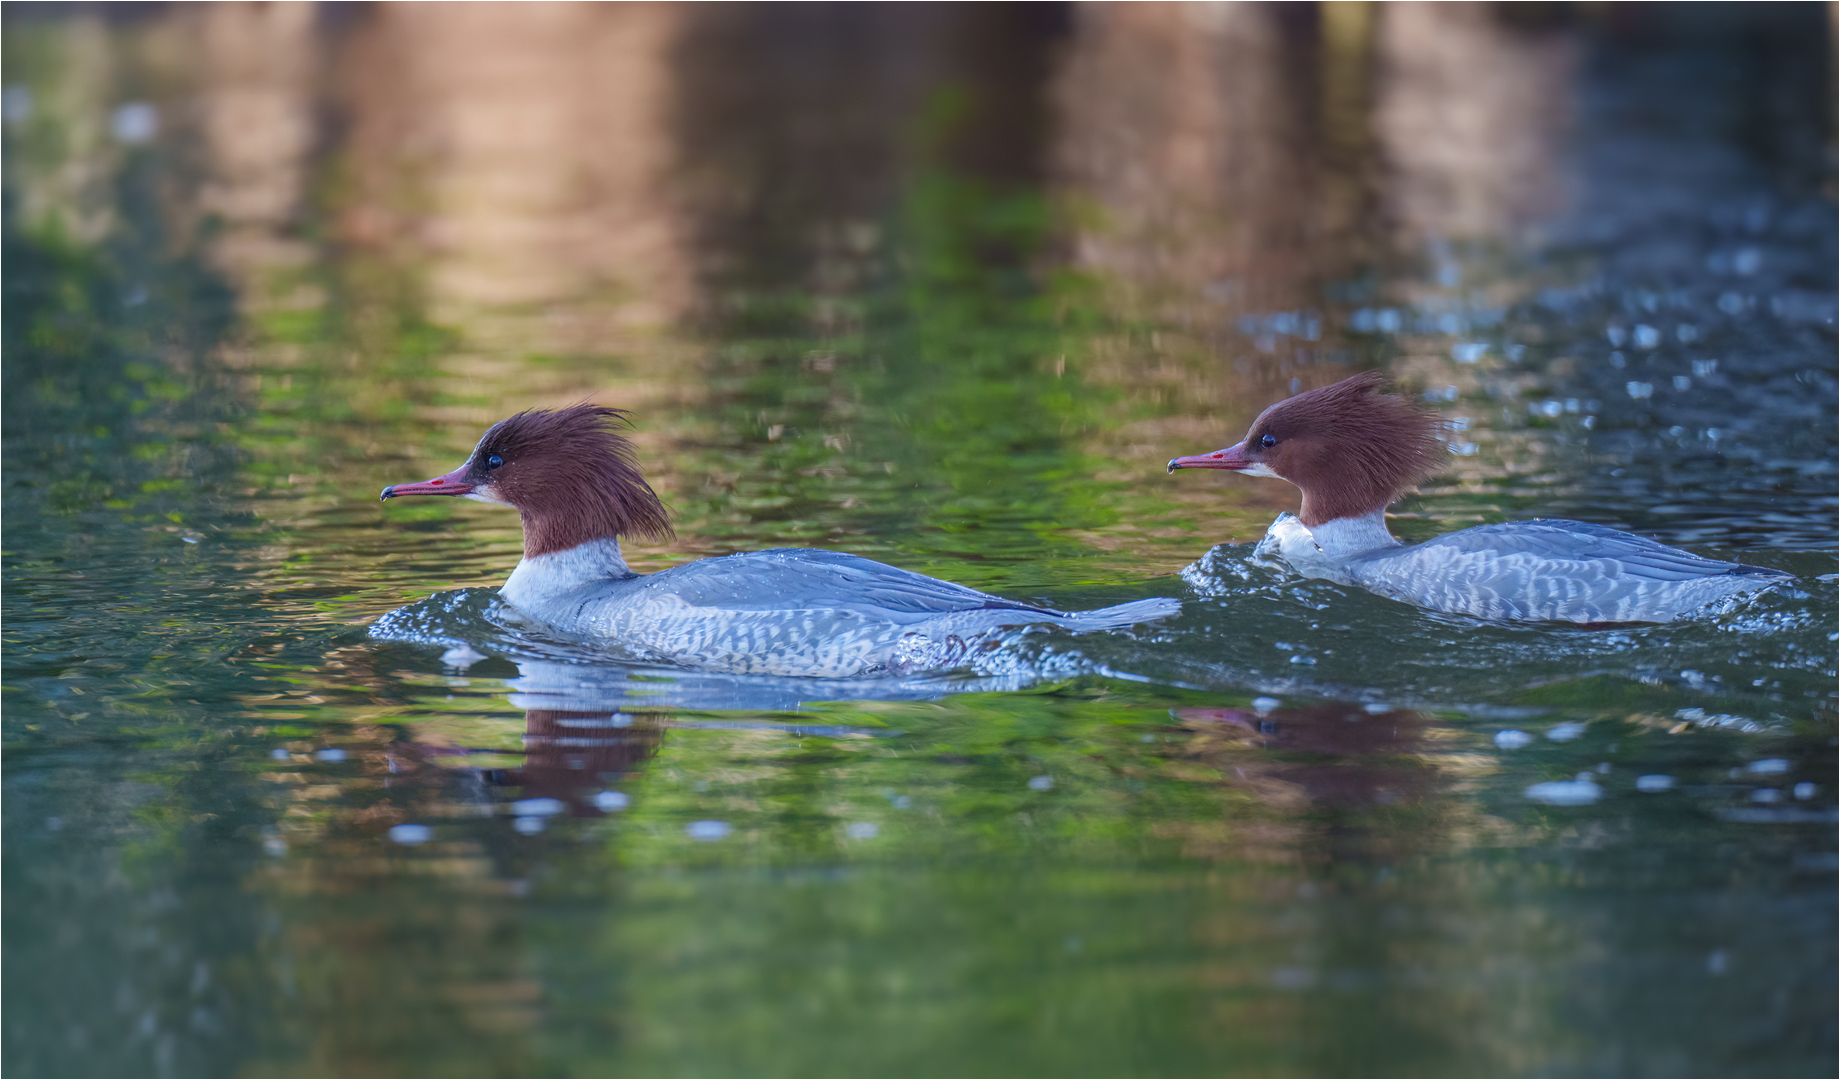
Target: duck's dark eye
[[1268, 441], [494, 461]]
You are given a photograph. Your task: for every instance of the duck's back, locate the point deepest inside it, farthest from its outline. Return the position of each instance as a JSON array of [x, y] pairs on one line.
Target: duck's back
[[798, 579], [797, 611], [1566, 571]]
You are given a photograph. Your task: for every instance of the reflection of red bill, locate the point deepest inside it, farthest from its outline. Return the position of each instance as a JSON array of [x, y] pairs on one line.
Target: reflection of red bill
[[1247, 720], [1335, 727]]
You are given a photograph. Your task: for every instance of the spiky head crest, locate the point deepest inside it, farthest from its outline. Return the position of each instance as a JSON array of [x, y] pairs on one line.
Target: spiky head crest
[[1350, 448], [571, 475]]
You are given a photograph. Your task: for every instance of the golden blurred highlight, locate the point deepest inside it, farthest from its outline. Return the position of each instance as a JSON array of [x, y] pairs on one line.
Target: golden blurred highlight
[[521, 149]]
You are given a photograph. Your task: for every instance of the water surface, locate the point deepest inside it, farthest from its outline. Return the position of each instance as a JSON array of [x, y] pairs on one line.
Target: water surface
[[945, 288]]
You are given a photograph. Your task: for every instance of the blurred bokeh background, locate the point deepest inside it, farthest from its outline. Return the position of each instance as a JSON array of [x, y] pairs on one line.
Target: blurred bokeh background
[[378, 220], [942, 284]]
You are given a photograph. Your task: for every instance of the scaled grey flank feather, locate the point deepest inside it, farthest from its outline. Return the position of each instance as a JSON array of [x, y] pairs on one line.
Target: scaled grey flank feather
[[804, 612], [1562, 570]]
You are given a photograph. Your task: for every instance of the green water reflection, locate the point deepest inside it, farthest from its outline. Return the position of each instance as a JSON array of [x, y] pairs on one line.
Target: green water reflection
[[904, 284]]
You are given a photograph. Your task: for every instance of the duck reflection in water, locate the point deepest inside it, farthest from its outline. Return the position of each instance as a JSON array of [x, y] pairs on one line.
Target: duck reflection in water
[[1369, 752], [589, 726], [572, 755]]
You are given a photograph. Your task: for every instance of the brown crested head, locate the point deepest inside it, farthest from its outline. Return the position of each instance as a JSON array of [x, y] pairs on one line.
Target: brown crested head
[[569, 472], [571, 475], [1350, 448]]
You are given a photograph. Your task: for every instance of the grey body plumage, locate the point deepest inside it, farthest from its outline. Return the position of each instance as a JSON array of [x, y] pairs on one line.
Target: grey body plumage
[[1550, 569], [789, 611]]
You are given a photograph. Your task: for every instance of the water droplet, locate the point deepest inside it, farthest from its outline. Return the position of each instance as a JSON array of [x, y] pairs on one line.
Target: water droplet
[[708, 830], [411, 834], [16, 103], [538, 807], [1565, 792], [135, 122], [461, 657]]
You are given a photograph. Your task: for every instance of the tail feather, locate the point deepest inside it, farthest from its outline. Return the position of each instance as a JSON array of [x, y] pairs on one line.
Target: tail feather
[[1137, 611]]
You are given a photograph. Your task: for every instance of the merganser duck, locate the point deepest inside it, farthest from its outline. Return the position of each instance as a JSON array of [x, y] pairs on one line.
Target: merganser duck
[[790, 611], [1352, 450]]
